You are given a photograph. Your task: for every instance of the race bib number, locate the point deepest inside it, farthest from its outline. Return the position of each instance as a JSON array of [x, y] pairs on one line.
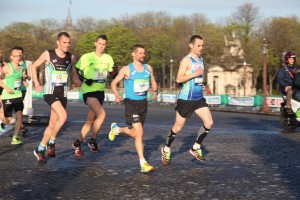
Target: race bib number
[[100, 76], [199, 80], [141, 87], [59, 78], [17, 85]]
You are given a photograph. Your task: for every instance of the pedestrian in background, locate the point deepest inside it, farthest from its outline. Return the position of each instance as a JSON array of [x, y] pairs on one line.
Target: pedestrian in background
[[285, 77]]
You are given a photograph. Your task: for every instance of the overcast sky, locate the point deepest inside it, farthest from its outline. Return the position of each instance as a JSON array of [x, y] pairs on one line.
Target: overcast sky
[[214, 10]]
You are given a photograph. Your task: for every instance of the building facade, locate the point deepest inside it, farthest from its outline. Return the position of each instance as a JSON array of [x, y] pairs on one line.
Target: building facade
[[231, 74]]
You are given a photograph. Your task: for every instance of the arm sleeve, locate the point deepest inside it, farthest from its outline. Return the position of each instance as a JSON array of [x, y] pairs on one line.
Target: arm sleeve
[[296, 82], [281, 79]]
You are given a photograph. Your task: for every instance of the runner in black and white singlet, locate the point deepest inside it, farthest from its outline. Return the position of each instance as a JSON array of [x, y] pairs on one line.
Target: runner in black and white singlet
[[57, 70]]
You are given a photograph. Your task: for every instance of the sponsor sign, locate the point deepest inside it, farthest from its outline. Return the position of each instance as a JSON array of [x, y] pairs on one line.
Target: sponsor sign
[[213, 100], [274, 101], [247, 101]]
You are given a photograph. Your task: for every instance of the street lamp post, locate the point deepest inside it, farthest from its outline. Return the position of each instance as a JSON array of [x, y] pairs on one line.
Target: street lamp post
[[171, 73], [244, 64], [265, 107]]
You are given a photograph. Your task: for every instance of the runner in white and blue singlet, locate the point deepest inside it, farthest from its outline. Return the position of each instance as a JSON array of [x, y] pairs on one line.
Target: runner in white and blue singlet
[[138, 84], [190, 100], [138, 77], [193, 89]]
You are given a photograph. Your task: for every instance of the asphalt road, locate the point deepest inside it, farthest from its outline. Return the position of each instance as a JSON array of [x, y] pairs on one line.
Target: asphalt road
[[247, 157]]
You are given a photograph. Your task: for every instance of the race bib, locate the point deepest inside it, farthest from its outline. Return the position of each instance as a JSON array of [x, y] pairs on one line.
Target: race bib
[[199, 80], [17, 85], [59, 78], [141, 87], [100, 76]]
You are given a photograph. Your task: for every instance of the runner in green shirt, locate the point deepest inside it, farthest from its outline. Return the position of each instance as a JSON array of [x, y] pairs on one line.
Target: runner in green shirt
[[12, 95], [94, 69]]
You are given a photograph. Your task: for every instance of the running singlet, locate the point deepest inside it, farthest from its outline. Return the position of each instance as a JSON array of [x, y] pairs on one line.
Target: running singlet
[[192, 90], [95, 68], [13, 81], [57, 73], [23, 65], [137, 85]]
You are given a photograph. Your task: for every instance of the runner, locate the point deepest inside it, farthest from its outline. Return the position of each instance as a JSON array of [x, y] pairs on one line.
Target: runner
[[190, 100], [58, 66], [12, 95], [26, 76], [93, 68], [137, 79]]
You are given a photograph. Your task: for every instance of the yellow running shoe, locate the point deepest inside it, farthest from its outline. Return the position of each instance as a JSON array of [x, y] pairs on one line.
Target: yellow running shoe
[[145, 167], [197, 154], [113, 131], [165, 156], [16, 141]]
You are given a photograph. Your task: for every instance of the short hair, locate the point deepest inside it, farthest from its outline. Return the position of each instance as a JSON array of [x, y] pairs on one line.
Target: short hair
[[18, 48], [103, 37], [194, 37], [62, 34], [136, 46]]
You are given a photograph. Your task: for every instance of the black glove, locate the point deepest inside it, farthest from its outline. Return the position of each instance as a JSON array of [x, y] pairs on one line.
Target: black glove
[[88, 81]]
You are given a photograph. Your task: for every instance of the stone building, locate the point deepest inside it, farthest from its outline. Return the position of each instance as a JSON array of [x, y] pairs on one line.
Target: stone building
[[230, 74]]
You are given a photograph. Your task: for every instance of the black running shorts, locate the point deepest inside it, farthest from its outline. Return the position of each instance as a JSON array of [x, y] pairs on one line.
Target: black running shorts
[[97, 94], [186, 108], [51, 98], [135, 110], [10, 104]]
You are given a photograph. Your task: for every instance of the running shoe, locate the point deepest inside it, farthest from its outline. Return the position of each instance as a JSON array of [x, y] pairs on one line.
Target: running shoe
[[197, 154], [2, 129], [11, 122], [93, 145], [50, 150], [16, 141], [23, 130], [40, 155], [145, 168], [112, 134], [77, 146], [165, 156]]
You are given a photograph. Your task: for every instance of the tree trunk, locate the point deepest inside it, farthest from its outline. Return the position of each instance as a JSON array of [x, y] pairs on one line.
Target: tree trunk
[[163, 68]]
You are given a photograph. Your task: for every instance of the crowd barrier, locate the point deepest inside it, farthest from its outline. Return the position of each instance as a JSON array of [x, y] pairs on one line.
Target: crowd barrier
[[255, 101]]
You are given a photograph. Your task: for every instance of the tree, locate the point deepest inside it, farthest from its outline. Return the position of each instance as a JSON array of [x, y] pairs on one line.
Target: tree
[[161, 51], [282, 34], [86, 24], [22, 34], [121, 40], [86, 43], [243, 21]]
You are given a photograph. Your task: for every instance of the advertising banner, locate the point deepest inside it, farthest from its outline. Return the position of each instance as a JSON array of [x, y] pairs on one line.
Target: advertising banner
[[235, 101]]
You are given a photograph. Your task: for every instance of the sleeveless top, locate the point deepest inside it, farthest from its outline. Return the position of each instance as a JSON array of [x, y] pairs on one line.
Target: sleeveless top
[[13, 81], [137, 85], [192, 90], [57, 73], [23, 65]]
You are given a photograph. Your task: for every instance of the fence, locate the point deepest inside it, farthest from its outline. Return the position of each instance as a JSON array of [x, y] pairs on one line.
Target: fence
[[255, 101]]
